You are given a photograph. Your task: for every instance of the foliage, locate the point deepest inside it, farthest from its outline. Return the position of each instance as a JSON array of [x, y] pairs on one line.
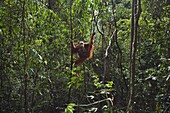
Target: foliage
[[35, 73], [70, 108]]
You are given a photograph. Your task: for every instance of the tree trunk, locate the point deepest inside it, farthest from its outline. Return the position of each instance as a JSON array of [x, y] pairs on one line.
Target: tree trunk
[[136, 11], [71, 37], [25, 60]]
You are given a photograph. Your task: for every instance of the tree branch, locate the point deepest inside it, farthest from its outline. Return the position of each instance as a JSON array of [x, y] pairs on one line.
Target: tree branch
[[86, 105], [97, 24], [106, 53]]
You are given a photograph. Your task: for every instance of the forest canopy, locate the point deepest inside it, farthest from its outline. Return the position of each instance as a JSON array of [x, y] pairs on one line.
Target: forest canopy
[[129, 71]]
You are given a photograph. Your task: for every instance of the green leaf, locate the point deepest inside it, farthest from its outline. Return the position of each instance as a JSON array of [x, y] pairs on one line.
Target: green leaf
[[70, 108], [109, 85]]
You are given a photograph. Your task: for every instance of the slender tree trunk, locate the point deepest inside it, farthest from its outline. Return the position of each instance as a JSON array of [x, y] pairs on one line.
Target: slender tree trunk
[[136, 10], [131, 80], [25, 60], [71, 37], [117, 44]]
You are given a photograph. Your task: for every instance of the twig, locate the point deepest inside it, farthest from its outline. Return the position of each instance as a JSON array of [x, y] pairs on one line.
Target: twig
[[166, 110], [86, 105], [96, 22]]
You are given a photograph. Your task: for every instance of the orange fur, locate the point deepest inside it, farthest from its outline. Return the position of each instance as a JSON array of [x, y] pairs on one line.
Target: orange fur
[[84, 50]]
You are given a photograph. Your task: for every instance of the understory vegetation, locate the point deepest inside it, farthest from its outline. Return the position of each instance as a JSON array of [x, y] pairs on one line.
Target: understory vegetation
[[36, 75]]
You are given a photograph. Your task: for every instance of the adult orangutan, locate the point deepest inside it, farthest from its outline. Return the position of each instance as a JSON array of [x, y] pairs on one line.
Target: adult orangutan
[[83, 49]]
